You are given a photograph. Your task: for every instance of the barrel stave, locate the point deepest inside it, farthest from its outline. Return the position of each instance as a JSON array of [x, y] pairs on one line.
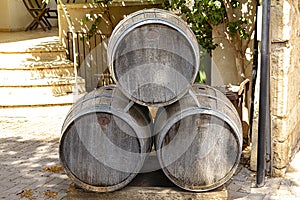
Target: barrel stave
[[102, 147], [153, 57], [198, 144]]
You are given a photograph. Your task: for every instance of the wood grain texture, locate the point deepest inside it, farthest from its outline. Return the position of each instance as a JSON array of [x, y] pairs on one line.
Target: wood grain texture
[[103, 146], [199, 146], [153, 57]]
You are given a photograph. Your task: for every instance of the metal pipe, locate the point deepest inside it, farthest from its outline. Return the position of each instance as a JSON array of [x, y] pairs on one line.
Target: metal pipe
[[264, 103]]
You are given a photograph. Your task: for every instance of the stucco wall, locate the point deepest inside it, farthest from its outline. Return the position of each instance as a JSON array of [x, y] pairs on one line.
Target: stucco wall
[[4, 14], [89, 68], [15, 17], [224, 69], [18, 15], [118, 9]]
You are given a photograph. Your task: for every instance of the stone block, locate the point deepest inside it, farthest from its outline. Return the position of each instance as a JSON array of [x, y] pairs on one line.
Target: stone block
[[280, 59], [284, 95], [280, 20], [281, 152], [285, 79], [278, 172], [284, 22], [295, 139], [279, 97], [284, 126], [294, 87]]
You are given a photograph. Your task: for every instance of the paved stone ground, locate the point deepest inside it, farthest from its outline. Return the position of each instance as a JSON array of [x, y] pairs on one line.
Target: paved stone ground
[[29, 153], [30, 168]]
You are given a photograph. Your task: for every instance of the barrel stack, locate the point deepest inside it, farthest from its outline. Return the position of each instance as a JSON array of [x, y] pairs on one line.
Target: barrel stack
[[154, 58]]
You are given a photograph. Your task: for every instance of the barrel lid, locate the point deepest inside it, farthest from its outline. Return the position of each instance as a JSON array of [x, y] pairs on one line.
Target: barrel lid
[[151, 52]]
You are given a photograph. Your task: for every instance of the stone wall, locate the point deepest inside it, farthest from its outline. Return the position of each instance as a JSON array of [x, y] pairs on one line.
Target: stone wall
[[285, 83]]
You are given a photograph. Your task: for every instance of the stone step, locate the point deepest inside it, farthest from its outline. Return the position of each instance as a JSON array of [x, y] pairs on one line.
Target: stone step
[[33, 64], [15, 57], [41, 92], [35, 70], [47, 44], [69, 99], [55, 87], [33, 50], [42, 82]]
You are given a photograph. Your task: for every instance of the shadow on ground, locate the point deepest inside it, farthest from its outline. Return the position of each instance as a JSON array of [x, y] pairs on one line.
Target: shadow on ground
[[29, 161]]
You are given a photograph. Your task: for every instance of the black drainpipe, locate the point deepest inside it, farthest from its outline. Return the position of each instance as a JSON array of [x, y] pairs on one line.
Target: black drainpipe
[[264, 133]]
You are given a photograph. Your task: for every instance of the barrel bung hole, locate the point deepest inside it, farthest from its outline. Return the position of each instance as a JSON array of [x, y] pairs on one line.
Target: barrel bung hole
[[201, 88]]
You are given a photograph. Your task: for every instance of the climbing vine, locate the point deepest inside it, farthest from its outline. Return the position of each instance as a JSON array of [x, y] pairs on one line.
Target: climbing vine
[[97, 19]]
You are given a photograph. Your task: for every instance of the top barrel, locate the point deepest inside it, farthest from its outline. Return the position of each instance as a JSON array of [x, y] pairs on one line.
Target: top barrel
[[153, 57]]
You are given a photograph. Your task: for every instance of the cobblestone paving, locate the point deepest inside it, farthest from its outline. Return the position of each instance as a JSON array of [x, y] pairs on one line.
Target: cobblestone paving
[[30, 168], [243, 184], [29, 153]]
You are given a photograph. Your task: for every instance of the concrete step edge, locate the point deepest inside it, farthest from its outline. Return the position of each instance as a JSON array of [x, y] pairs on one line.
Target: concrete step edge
[[44, 82], [20, 93], [33, 45], [69, 99], [58, 49], [22, 57], [32, 65]]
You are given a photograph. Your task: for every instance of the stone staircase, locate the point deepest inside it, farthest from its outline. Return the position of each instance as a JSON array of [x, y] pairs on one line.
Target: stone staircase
[[37, 73]]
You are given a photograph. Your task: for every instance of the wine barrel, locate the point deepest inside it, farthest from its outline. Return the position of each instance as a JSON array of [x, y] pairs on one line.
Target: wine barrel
[[153, 57], [105, 140], [198, 139]]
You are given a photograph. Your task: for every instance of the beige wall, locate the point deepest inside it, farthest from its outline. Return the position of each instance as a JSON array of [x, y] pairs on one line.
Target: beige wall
[[18, 15], [91, 69], [118, 10], [224, 69], [4, 15], [14, 16]]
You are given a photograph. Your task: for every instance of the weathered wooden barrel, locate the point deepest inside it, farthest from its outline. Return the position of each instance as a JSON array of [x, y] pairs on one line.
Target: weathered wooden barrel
[[199, 139], [153, 57], [105, 140]]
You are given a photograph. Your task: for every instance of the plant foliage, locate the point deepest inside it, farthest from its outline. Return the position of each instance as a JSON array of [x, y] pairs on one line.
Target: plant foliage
[[203, 15], [97, 19]]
